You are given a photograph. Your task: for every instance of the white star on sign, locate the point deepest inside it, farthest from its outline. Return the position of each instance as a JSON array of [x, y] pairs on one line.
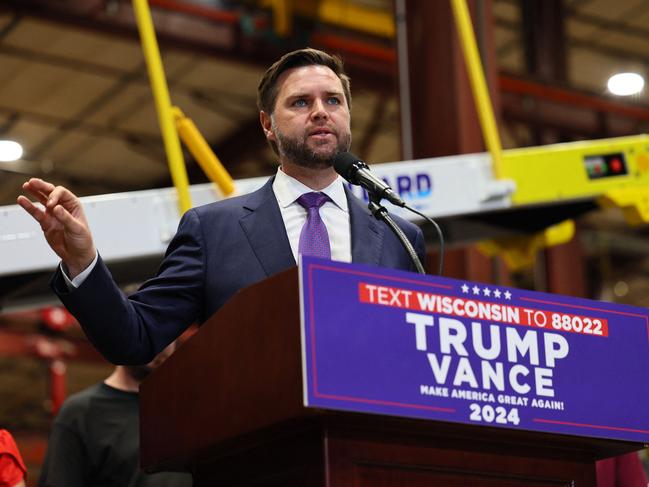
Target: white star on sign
[[497, 293], [476, 290], [486, 291], [508, 295], [465, 288]]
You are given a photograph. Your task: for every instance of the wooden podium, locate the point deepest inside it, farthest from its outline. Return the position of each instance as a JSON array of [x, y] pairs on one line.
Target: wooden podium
[[228, 407]]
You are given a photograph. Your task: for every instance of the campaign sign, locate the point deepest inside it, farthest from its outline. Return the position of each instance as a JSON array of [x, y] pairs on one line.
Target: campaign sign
[[390, 342]]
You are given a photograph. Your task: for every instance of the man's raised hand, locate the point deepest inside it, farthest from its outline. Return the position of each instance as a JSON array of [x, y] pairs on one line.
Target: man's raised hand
[[63, 223]]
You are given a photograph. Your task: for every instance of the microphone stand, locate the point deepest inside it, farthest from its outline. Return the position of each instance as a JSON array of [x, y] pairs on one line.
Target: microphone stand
[[380, 213]]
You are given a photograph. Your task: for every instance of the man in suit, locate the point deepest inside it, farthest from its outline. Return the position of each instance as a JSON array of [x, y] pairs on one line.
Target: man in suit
[[304, 105]]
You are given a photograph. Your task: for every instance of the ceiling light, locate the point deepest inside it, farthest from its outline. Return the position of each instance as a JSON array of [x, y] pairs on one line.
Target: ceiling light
[[10, 150], [625, 84]]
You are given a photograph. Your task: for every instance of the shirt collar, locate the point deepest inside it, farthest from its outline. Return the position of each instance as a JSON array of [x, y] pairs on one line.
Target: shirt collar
[[288, 189]]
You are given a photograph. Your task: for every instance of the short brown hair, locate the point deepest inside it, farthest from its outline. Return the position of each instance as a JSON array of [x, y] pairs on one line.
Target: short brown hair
[[267, 89]]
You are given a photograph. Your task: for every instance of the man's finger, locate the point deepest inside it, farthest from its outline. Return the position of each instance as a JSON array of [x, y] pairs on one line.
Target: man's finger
[[31, 208], [67, 220], [40, 185], [59, 195], [33, 191]]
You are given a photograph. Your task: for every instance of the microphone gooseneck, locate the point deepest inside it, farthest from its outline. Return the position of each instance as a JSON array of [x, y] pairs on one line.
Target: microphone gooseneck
[[354, 170]]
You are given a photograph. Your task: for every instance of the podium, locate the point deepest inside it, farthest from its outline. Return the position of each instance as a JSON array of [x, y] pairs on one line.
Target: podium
[[228, 406]]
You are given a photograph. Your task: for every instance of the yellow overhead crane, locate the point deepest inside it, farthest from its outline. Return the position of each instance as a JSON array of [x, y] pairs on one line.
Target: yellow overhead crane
[[611, 171]]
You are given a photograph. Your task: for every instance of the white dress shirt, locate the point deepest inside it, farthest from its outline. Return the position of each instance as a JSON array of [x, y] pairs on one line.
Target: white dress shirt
[[334, 214]]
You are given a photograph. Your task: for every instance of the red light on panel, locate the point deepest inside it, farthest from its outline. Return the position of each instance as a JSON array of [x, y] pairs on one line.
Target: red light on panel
[[616, 165], [605, 165]]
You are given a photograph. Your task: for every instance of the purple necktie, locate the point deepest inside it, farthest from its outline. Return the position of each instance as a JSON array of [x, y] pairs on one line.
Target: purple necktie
[[314, 238]]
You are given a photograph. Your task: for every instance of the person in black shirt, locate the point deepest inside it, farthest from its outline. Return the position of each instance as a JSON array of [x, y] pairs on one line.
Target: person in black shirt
[[95, 437]]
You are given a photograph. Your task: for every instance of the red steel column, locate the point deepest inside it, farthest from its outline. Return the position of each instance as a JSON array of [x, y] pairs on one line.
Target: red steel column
[[546, 60], [57, 384], [442, 116]]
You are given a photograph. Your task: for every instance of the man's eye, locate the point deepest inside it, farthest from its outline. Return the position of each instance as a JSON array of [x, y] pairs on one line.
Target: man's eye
[[333, 100], [300, 103]]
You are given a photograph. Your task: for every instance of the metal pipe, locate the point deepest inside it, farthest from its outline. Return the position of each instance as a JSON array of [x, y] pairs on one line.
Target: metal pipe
[[163, 104], [405, 111], [202, 152], [570, 97], [478, 84]]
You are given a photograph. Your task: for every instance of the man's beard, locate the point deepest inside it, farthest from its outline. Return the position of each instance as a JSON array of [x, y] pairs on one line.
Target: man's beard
[[299, 153]]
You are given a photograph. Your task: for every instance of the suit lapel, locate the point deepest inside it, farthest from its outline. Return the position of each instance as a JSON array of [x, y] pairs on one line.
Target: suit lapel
[[366, 232], [264, 228]]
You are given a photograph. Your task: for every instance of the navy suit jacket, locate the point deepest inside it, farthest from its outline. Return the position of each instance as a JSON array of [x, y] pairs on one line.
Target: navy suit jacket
[[219, 249]]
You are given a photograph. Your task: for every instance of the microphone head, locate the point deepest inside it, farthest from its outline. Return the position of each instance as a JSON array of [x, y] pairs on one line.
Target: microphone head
[[345, 164]]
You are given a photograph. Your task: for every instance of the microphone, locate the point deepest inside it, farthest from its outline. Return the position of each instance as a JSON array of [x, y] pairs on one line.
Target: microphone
[[357, 172]]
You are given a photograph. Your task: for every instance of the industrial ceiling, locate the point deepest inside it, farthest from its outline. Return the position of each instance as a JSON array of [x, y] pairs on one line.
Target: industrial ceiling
[[75, 91]]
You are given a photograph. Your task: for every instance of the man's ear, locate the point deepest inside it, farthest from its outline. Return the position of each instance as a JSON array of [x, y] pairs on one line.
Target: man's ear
[[267, 125]]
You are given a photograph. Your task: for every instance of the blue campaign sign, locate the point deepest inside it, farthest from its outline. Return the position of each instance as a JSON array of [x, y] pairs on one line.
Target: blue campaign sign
[[390, 342]]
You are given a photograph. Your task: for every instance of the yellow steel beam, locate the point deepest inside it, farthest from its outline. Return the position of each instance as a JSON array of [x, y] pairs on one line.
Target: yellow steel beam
[[478, 84], [350, 15], [282, 16], [202, 152], [342, 13], [162, 103], [520, 252], [634, 203]]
